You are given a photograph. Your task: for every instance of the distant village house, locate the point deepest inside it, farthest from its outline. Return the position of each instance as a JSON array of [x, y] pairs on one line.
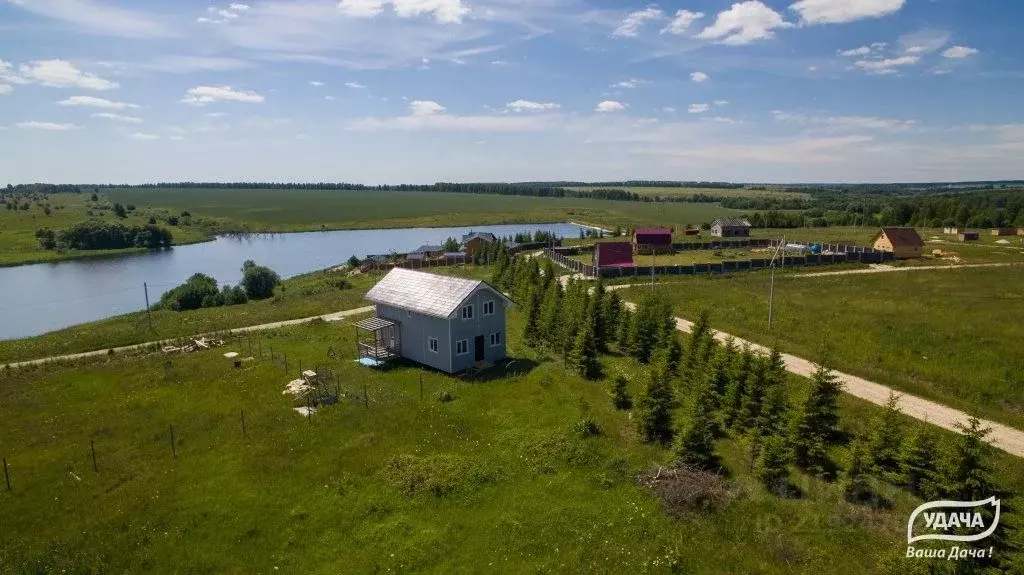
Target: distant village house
[[730, 228], [448, 323], [652, 240], [904, 243], [1004, 231], [966, 236], [613, 254], [475, 243]]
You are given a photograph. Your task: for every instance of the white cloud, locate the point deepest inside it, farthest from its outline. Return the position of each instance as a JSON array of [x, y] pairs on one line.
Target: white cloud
[[629, 84], [531, 106], [841, 11], [812, 68], [886, 66], [63, 74], [444, 11], [630, 26], [355, 85], [668, 110], [239, 7], [923, 41], [329, 98], [429, 115], [177, 138], [202, 95], [141, 136], [97, 17], [425, 108], [846, 123], [91, 102], [681, 23], [957, 52], [315, 83], [49, 126], [216, 114], [610, 106], [697, 108], [5, 89], [862, 51], [743, 23], [721, 102], [118, 118], [699, 77]]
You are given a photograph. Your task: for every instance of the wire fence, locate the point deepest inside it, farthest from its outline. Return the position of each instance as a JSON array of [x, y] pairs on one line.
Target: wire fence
[[322, 387]]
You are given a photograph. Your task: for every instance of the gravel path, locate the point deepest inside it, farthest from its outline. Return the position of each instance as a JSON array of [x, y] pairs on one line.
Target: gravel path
[[1007, 438], [337, 316]]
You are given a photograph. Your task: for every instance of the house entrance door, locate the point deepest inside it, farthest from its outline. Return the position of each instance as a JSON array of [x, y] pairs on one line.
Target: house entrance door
[[479, 343]]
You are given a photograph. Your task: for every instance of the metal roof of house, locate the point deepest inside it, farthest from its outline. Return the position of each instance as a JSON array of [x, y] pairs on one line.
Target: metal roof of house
[[425, 293], [613, 254], [427, 249], [653, 231], [486, 236], [731, 223], [455, 254]]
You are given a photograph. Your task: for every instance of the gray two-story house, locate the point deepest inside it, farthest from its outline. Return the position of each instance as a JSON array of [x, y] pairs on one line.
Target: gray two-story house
[[447, 323]]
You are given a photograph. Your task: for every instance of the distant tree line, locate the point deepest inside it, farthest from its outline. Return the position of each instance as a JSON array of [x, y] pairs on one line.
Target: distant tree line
[[97, 235], [39, 189]]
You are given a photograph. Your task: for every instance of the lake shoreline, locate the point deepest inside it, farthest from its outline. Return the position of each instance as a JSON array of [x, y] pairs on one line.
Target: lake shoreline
[[230, 232]]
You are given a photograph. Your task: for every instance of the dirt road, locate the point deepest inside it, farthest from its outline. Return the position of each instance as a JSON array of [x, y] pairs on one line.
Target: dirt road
[[337, 316], [881, 269], [1007, 438]]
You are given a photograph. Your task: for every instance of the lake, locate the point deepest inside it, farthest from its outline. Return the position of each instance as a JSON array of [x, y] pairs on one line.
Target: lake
[[38, 298]]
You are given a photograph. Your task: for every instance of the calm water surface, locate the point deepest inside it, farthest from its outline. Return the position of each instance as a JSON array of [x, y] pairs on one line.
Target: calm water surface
[[38, 298]]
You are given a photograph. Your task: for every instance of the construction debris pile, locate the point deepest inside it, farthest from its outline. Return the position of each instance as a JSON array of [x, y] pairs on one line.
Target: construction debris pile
[[193, 344]]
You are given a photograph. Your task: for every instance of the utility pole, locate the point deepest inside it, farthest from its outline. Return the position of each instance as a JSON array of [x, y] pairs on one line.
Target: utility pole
[[653, 263], [771, 290], [145, 288]]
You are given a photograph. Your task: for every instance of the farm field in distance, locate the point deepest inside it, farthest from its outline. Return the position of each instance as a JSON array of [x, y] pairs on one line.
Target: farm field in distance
[[947, 335], [495, 480], [306, 210], [670, 192], [18, 243]]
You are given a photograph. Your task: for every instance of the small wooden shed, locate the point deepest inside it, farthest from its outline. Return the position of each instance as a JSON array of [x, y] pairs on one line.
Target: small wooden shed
[[966, 236]]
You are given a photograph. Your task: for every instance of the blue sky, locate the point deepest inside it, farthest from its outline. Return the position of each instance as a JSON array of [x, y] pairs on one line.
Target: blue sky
[[410, 91]]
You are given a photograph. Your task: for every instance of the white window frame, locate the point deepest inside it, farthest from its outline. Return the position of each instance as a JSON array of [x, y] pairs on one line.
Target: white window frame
[[432, 344], [489, 304], [463, 343], [467, 312], [495, 339]]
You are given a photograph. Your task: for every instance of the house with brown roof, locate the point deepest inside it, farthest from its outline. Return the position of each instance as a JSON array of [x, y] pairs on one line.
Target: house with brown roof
[[652, 240], [904, 243], [968, 236], [1004, 231], [613, 254]]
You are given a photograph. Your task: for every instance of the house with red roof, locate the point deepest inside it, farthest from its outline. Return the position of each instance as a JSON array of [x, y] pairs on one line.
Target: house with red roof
[[613, 254], [652, 240]]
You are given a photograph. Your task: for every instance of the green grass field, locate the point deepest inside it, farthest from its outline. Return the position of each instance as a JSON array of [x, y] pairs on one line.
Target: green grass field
[[18, 244], [494, 481], [288, 210], [949, 335], [687, 192]]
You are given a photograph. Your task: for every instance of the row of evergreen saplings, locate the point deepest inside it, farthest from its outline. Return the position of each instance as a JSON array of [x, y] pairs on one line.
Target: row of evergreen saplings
[[743, 394]]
